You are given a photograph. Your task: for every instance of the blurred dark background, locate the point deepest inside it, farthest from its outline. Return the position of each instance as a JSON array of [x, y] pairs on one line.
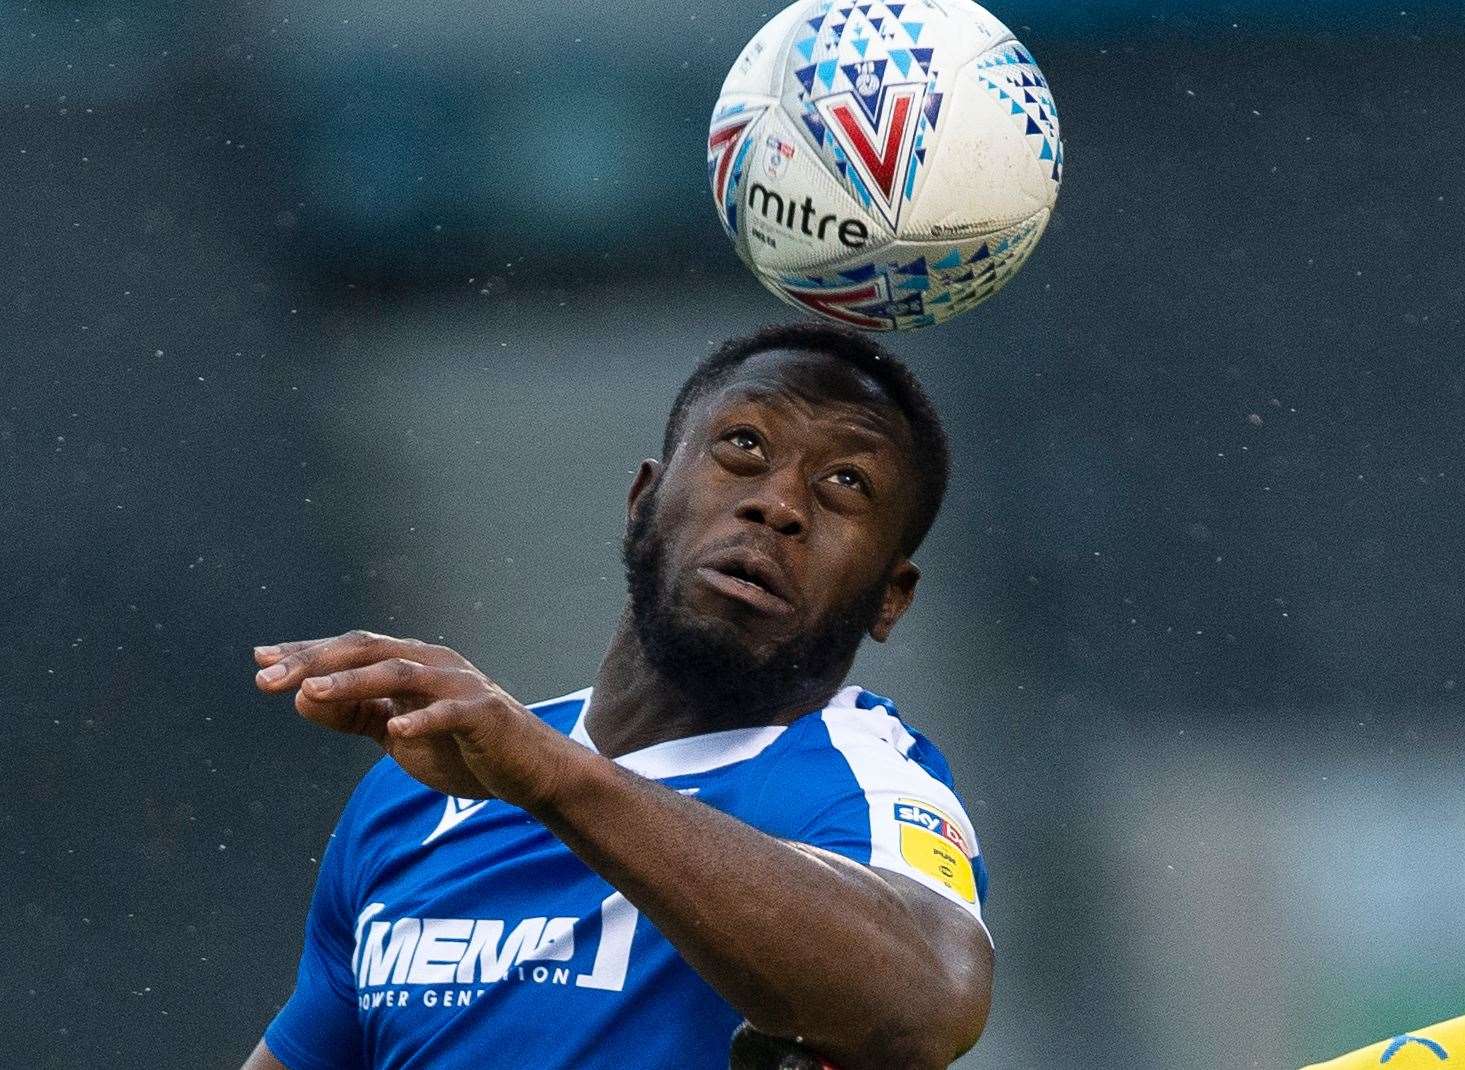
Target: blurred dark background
[[336, 314]]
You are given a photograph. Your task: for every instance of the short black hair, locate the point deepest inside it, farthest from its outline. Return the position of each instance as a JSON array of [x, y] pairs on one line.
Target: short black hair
[[931, 450]]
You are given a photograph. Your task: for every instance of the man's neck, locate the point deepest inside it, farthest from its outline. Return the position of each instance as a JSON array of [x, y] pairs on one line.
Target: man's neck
[[633, 706]]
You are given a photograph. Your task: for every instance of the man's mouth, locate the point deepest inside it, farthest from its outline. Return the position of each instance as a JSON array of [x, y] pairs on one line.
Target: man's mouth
[[750, 578]]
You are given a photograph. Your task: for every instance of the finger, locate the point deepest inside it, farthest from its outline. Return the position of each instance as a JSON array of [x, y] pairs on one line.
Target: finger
[[358, 718], [394, 676], [273, 652], [440, 717], [349, 651]]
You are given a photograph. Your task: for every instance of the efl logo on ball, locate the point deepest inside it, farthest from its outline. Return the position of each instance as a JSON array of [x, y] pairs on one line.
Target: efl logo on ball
[[777, 154], [885, 165]]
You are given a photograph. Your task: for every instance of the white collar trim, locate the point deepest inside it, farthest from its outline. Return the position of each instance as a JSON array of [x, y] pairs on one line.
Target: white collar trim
[[686, 756]]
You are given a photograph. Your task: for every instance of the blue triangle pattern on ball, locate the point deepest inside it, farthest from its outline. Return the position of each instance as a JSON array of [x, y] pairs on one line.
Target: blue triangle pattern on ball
[[1034, 109], [909, 189], [815, 125], [933, 107]]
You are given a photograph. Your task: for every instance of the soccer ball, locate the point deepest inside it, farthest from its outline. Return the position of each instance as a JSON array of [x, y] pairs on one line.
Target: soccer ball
[[885, 165]]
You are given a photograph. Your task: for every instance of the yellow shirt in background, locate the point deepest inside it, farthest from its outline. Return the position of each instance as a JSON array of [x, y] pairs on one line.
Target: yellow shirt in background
[[1440, 1045]]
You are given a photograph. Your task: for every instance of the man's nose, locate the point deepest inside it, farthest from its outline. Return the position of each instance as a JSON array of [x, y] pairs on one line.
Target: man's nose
[[778, 503]]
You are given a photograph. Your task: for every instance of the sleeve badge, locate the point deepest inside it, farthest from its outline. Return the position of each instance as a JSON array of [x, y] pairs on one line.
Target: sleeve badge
[[934, 844]]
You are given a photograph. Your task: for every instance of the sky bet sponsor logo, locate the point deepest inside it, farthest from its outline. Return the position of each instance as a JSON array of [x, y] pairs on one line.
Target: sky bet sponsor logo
[[935, 845], [913, 813], [448, 962], [803, 218]]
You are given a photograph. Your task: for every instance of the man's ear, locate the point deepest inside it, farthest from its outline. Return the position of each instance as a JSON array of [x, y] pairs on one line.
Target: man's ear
[[900, 591], [646, 476]]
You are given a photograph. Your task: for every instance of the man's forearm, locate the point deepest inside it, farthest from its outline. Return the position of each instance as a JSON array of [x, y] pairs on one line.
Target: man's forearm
[[800, 942]]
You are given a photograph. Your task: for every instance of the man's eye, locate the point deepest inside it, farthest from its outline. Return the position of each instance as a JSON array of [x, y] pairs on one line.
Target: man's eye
[[848, 477], [743, 440]]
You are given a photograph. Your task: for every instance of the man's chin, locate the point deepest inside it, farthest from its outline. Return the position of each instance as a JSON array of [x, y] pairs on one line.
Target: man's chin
[[739, 641], [711, 651]]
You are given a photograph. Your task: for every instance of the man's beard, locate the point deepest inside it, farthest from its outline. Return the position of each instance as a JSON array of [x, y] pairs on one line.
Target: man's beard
[[706, 660]]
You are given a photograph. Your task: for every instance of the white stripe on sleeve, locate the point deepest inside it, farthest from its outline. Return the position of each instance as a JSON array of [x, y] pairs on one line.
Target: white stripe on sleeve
[[917, 827]]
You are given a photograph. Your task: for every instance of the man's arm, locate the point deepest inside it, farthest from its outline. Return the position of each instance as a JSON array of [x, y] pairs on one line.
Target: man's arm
[[261, 1058], [870, 969]]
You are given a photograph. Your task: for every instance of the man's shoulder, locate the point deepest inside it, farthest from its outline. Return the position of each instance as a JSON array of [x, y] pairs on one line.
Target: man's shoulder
[[385, 786], [564, 712], [862, 729], [844, 757], [858, 780]]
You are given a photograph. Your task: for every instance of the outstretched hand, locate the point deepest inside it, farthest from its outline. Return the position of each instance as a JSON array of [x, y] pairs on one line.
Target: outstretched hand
[[443, 721]]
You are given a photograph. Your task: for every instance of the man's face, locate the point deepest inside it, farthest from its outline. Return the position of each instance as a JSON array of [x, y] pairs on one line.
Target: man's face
[[771, 541]]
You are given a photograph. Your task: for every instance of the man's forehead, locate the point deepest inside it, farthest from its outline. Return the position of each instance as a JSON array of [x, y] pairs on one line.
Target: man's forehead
[[817, 380]]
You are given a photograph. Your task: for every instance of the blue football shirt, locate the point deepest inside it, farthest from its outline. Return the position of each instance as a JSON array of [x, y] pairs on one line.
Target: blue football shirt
[[459, 933]]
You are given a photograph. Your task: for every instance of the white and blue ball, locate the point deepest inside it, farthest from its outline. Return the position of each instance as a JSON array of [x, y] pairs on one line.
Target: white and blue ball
[[884, 165]]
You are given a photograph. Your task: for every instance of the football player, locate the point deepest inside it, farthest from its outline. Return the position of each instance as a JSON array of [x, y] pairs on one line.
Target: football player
[[719, 829]]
